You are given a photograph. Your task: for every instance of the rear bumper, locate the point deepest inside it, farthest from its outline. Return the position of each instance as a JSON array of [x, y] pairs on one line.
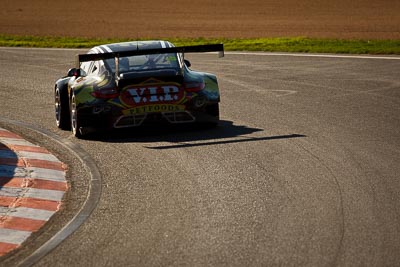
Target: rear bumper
[[112, 117]]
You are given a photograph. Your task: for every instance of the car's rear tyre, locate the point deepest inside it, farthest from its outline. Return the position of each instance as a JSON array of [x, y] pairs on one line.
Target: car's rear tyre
[[75, 120], [213, 111], [62, 109]]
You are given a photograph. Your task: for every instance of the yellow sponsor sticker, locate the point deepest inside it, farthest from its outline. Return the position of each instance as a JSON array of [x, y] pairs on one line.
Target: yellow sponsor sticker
[[154, 108]]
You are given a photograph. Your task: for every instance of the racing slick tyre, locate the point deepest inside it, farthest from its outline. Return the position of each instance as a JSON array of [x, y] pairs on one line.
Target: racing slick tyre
[[212, 110], [75, 120], [61, 108]]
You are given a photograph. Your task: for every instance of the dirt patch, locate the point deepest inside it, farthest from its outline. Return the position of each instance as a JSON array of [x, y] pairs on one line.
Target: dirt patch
[[365, 19]]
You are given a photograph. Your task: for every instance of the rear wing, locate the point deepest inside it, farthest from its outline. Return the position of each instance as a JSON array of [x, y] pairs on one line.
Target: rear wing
[[182, 49]]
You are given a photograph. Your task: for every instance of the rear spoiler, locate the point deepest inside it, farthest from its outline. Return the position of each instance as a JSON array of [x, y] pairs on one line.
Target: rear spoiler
[[182, 49]]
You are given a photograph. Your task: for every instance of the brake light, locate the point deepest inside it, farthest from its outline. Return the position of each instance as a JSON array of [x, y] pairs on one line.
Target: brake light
[[106, 93], [194, 87]]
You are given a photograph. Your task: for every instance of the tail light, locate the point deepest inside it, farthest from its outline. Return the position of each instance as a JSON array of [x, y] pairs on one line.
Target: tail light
[[199, 101], [106, 93], [194, 87]]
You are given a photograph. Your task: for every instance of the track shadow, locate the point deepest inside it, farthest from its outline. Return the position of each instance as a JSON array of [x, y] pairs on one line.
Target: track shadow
[[244, 139], [188, 135], [8, 165]]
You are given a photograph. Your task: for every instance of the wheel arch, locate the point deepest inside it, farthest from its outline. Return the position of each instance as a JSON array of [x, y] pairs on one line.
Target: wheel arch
[[62, 84]]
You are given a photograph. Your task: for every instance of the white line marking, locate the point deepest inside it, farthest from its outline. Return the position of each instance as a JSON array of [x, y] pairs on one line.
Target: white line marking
[[29, 213], [313, 55], [12, 191], [45, 48], [13, 236], [280, 93], [254, 88], [18, 142], [44, 194], [37, 155], [12, 171], [46, 174], [23, 192], [236, 53], [7, 171]]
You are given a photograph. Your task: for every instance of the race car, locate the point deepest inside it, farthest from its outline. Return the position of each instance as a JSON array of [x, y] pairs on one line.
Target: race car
[[133, 84]]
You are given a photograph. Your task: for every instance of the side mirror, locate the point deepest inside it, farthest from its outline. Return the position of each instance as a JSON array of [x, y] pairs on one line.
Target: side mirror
[[74, 72], [187, 63]]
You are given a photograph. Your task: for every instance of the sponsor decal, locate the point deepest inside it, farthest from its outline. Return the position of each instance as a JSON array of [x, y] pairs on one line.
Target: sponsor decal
[[152, 94], [154, 108]]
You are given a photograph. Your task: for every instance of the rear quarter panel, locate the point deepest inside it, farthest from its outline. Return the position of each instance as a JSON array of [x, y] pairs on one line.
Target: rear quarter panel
[[211, 88]]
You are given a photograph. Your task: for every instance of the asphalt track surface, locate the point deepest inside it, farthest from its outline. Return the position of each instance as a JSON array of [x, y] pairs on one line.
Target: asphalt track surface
[[303, 169]]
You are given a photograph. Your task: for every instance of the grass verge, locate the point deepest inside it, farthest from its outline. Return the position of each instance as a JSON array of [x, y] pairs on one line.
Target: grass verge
[[298, 44]]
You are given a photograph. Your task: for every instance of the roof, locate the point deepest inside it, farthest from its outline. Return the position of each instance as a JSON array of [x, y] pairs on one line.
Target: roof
[[129, 46], [128, 49]]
